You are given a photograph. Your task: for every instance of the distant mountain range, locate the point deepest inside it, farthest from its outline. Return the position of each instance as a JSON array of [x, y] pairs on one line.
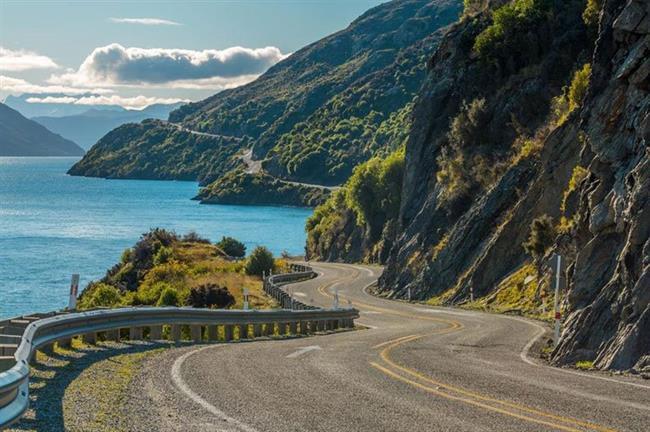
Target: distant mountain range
[[20, 136], [88, 127]]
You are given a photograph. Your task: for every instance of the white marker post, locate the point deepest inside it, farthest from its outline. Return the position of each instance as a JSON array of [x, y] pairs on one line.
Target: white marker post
[[336, 298], [409, 293], [74, 290], [245, 298], [558, 314]]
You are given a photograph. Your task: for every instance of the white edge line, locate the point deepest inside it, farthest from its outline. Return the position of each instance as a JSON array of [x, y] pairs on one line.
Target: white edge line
[[182, 386]]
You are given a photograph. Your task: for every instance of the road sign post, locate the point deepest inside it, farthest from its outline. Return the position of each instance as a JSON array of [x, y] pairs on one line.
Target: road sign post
[[245, 298], [556, 307], [74, 290]]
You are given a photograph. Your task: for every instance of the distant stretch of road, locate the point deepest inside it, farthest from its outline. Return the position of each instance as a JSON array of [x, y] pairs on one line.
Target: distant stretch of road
[[414, 368], [252, 166]]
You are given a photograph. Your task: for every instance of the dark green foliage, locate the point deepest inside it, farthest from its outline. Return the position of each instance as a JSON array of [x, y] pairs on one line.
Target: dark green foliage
[[100, 295], [232, 247], [511, 41], [541, 237], [193, 237], [138, 260], [260, 261], [374, 191], [210, 296], [310, 118], [368, 202], [156, 150], [168, 297], [239, 187]]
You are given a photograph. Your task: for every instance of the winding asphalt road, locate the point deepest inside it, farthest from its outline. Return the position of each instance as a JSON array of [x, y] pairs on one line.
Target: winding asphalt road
[[413, 368]]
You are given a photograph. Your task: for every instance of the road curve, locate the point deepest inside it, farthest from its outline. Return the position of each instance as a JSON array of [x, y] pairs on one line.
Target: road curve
[[414, 368]]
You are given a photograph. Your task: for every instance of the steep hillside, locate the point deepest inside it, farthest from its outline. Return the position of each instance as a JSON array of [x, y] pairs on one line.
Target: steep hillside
[[88, 127], [315, 115], [529, 138], [20, 136]]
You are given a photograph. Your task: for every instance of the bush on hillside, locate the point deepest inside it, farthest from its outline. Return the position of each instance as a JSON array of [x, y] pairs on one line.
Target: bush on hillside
[[573, 95], [168, 297], [232, 247], [193, 237], [210, 296], [100, 295], [540, 239], [260, 261], [511, 40]]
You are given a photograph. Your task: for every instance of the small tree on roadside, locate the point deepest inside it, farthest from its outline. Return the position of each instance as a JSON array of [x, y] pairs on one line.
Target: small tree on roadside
[[232, 247], [210, 296], [260, 261], [540, 239]]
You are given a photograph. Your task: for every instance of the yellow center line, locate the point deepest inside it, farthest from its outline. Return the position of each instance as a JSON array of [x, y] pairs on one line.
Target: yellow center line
[[403, 338], [386, 358], [468, 401]]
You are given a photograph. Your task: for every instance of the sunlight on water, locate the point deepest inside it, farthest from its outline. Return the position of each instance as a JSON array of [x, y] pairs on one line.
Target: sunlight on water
[[53, 225]]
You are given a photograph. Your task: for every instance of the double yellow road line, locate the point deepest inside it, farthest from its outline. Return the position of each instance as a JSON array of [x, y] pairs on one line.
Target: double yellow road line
[[425, 383]]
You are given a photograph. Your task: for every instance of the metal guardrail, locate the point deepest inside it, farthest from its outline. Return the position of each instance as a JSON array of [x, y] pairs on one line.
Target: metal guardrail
[[273, 286], [42, 332]]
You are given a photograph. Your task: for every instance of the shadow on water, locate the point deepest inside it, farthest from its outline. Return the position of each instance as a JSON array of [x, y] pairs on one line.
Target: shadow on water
[[53, 372]]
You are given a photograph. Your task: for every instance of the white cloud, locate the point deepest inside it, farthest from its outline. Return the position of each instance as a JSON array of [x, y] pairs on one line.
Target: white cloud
[[116, 65], [17, 61], [135, 102], [17, 86], [144, 21]]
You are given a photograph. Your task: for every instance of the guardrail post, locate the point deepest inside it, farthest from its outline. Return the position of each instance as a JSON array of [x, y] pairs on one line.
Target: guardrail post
[[322, 326], [227, 332], [243, 331], [155, 332], [257, 330], [212, 333], [65, 343], [195, 332], [282, 328], [176, 333], [113, 335], [135, 333], [90, 338], [303, 328], [269, 328], [293, 327]]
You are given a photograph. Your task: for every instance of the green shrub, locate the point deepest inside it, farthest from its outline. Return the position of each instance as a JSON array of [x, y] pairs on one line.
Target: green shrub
[[512, 32], [232, 247], [168, 297], [210, 296], [572, 96], [592, 12], [540, 239], [100, 295], [193, 237], [577, 176], [260, 261], [163, 255], [373, 192]]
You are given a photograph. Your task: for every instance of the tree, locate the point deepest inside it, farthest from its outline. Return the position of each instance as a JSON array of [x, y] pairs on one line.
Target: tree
[[210, 296], [540, 239], [232, 247], [169, 297], [260, 261]]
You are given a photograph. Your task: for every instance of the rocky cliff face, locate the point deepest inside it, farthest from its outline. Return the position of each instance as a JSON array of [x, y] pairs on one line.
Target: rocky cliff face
[[452, 246], [609, 287]]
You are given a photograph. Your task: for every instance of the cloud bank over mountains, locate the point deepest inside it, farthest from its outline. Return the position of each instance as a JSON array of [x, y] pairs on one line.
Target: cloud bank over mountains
[[19, 60], [115, 65], [108, 69]]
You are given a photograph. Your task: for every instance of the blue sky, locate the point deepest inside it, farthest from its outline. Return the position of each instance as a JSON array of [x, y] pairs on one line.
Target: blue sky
[[155, 49]]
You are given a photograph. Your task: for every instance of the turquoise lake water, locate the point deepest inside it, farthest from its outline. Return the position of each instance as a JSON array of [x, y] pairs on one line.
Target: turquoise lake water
[[53, 225]]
